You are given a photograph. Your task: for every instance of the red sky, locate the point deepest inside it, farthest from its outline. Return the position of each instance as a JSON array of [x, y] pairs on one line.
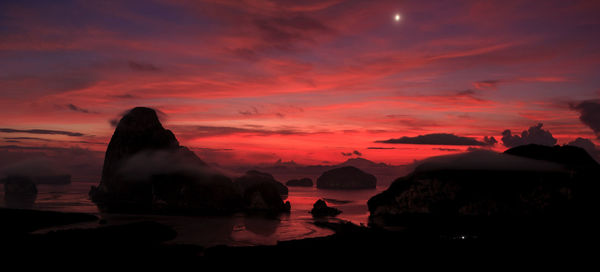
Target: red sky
[[258, 81]]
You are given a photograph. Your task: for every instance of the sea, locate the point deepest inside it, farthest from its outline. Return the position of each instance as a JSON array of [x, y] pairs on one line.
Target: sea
[[234, 230]]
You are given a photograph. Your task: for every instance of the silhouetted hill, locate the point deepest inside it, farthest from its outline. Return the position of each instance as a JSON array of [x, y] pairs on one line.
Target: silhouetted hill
[[303, 182], [346, 178], [485, 183]]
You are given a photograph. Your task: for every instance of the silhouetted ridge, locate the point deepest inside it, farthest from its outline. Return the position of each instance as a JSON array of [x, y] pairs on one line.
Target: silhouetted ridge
[[303, 182]]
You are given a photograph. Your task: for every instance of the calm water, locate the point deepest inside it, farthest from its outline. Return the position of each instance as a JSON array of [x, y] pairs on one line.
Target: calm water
[[234, 230]]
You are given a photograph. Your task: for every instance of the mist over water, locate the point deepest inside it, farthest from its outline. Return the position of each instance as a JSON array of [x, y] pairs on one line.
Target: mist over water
[[237, 230]]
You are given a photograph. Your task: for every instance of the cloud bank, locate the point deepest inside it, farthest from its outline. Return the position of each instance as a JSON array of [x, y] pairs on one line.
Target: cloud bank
[[440, 139], [534, 135], [589, 111]]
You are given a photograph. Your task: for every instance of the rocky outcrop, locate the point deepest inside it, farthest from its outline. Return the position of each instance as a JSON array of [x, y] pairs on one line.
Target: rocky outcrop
[[146, 170], [19, 191], [261, 192], [254, 177], [303, 182], [346, 178], [484, 183], [320, 208]]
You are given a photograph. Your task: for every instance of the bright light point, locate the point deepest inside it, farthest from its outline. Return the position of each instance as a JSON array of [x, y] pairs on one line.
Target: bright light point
[[397, 18]]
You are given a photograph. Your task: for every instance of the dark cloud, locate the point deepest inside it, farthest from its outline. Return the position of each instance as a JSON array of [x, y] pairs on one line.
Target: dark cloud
[[18, 139], [447, 149], [78, 109], [124, 96], [376, 147], [210, 131], [436, 139], [27, 138], [113, 122], [42, 131], [588, 145], [534, 135], [142, 67], [490, 140], [348, 154], [469, 93], [250, 112], [589, 111]]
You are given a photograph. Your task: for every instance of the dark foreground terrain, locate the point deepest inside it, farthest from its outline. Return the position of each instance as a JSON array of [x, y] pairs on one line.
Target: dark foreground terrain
[[422, 238]]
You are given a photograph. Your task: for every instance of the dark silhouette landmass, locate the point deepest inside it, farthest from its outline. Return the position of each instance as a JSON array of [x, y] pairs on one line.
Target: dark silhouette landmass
[[474, 206], [526, 184], [261, 192], [320, 208], [346, 178], [139, 239], [147, 171], [303, 182], [532, 198]]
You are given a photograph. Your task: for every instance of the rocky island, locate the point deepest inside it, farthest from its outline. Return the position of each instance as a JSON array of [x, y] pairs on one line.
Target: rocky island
[[146, 170], [303, 182], [346, 178]]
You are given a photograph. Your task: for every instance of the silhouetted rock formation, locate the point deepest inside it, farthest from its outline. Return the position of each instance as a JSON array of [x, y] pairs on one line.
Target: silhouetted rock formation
[[485, 183], [303, 182], [19, 191], [348, 177], [261, 192], [146, 170], [320, 208], [254, 177]]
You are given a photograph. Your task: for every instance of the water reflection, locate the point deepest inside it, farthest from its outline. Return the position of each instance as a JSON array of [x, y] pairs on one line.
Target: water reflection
[[262, 226], [237, 229]]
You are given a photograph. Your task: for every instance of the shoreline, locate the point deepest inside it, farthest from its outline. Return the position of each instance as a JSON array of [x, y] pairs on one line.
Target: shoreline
[[349, 240]]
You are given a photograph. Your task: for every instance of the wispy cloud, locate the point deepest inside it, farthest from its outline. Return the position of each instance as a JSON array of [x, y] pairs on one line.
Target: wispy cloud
[[42, 131]]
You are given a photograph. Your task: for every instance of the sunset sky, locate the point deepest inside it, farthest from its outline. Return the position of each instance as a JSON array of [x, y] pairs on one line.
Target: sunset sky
[[309, 81]]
